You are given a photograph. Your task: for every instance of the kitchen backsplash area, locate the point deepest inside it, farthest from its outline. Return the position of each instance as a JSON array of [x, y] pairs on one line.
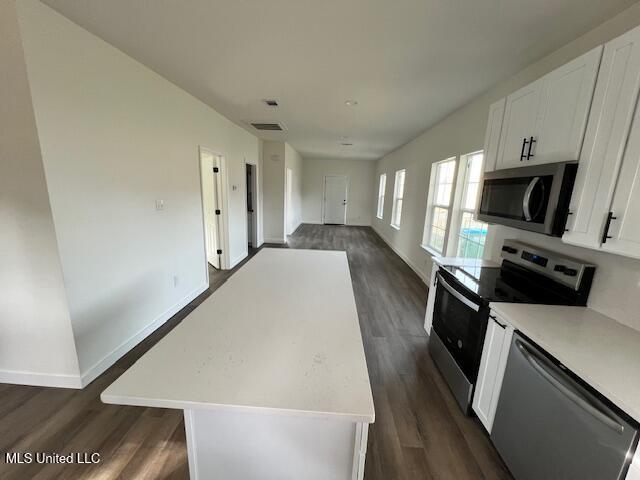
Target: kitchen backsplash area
[[616, 285]]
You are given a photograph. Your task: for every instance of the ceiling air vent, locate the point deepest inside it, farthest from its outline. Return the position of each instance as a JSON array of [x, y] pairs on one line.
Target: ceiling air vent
[[273, 127]]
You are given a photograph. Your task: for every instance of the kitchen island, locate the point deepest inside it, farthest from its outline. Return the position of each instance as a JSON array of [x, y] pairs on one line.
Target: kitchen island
[[270, 372]]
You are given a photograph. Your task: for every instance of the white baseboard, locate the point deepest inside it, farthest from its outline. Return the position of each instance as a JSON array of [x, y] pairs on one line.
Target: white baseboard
[[274, 240], [238, 259], [406, 259], [108, 360], [348, 224], [40, 379]]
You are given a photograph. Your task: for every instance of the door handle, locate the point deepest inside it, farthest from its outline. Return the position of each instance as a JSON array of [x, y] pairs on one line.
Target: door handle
[[526, 200], [531, 142], [607, 226], [568, 390], [524, 145]]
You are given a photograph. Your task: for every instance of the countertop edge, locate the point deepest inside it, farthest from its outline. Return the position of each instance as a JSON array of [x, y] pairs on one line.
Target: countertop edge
[[633, 412], [194, 405]]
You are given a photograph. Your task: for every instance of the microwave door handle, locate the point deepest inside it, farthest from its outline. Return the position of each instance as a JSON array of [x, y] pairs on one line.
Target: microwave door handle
[[526, 200], [569, 391], [474, 306]]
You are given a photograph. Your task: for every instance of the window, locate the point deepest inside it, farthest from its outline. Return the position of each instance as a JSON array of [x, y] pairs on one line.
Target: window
[[381, 189], [468, 235], [437, 216], [398, 194]]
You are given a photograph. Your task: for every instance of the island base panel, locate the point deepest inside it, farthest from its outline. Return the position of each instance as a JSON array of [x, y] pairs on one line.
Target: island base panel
[[247, 446]]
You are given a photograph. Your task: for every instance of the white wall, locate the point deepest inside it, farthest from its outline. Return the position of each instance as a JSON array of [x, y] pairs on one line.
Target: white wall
[[36, 339], [273, 171], [115, 137], [293, 160], [360, 190], [276, 158], [616, 289]]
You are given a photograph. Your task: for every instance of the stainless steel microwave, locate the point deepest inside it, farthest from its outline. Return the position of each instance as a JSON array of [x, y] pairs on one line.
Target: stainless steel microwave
[[534, 198]]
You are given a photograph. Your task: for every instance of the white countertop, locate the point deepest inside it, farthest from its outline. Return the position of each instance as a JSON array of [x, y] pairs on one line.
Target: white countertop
[[281, 336], [601, 351], [464, 262]]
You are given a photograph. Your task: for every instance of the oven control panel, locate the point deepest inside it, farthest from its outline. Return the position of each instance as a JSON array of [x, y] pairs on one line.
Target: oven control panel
[[566, 270]]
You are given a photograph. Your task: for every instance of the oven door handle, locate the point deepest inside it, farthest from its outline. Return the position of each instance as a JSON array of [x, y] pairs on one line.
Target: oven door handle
[[526, 200], [474, 306]]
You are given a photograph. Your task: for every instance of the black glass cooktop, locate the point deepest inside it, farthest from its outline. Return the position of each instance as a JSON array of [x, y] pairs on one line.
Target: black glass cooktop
[[510, 283]]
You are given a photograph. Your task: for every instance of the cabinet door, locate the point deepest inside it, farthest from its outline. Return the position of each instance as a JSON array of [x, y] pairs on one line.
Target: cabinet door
[[520, 113], [608, 127], [564, 107], [492, 366], [624, 228], [431, 299], [492, 135]]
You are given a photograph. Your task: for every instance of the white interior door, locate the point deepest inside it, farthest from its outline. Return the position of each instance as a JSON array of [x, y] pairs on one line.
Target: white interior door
[[335, 199], [209, 207]]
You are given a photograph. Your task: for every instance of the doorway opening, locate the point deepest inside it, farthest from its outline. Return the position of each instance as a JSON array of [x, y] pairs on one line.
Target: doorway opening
[[334, 211], [252, 204], [211, 174], [288, 203]]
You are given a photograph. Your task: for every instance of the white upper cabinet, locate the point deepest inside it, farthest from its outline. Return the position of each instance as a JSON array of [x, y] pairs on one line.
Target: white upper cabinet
[[622, 227], [564, 108], [603, 152], [492, 135], [519, 124], [544, 122]]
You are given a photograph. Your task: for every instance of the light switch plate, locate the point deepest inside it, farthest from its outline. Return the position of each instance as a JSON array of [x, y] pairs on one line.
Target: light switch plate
[[159, 204]]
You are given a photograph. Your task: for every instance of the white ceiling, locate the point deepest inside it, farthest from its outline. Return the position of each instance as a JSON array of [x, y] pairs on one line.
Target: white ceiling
[[408, 63]]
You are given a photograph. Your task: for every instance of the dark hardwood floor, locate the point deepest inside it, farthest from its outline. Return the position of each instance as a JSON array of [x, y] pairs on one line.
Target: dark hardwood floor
[[419, 431]]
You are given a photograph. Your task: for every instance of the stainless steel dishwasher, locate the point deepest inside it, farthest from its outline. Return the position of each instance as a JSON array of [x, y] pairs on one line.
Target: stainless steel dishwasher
[[550, 426]]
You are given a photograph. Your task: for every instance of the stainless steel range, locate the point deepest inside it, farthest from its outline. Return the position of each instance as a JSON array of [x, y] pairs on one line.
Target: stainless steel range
[[528, 274]]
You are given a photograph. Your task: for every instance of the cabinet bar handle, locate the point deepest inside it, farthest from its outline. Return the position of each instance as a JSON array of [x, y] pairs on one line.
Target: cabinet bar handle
[[495, 319], [524, 145], [531, 142], [607, 225]]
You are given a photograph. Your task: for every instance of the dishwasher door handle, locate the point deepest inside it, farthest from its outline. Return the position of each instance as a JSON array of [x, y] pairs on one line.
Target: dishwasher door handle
[[569, 391]]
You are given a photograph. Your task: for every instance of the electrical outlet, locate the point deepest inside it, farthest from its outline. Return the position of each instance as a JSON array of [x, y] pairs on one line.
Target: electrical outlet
[[159, 204]]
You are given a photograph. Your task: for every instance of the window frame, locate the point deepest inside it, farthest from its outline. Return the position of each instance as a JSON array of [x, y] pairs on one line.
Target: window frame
[[396, 222], [458, 208], [382, 191], [432, 205]]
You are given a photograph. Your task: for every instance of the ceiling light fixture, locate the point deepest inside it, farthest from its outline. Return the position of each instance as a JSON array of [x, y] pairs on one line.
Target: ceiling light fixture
[[351, 103]]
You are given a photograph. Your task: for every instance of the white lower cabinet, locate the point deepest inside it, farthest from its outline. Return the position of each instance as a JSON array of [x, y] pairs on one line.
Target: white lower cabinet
[[492, 366], [634, 468], [431, 299]]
